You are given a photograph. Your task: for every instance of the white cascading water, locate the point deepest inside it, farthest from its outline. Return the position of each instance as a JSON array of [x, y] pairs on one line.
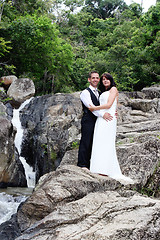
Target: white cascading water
[[9, 205], [10, 202], [30, 174]]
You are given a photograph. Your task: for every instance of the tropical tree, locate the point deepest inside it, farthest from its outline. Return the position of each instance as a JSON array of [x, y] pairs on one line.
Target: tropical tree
[[30, 6], [105, 8], [37, 50], [5, 67]]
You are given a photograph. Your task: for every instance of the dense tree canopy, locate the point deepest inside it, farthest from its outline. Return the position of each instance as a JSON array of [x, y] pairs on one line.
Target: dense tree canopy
[[57, 46], [105, 8], [37, 49]]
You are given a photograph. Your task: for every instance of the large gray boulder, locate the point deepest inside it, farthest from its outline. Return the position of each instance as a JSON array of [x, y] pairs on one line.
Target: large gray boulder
[[66, 184], [146, 105], [100, 216], [51, 124], [75, 204], [152, 92], [20, 90], [146, 93]]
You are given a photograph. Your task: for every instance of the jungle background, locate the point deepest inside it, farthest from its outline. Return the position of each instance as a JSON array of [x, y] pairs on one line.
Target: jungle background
[[57, 43]]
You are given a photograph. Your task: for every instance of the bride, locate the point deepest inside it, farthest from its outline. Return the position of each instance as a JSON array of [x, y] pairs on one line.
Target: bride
[[104, 158]]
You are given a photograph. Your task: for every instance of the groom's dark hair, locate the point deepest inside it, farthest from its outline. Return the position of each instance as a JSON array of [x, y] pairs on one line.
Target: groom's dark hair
[[110, 78], [89, 76]]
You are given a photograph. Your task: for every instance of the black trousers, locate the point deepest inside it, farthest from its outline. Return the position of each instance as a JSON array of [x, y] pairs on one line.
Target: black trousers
[[85, 148]]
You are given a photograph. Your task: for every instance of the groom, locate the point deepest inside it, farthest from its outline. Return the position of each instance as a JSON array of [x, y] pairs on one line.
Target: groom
[[89, 96]]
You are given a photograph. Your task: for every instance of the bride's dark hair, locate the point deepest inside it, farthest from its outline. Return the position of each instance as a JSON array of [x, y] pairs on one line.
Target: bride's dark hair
[[110, 78]]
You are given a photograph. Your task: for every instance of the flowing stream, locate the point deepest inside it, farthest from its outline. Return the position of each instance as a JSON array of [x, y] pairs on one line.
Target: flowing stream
[[9, 205], [10, 198]]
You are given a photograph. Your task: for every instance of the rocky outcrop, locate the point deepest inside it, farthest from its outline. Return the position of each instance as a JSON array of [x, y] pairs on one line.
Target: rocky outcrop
[[138, 156], [146, 93], [152, 92], [72, 203], [6, 144], [20, 90], [99, 215], [52, 126], [51, 123], [76, 204], [9, 230], [12, 172], [66, 184], [11, 169]]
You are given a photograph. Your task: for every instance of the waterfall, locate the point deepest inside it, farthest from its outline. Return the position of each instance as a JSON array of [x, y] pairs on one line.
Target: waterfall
[[30, 175]]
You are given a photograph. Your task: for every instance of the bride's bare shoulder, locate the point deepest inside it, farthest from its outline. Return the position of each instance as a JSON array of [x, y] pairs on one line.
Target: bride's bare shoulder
[[114, 90]]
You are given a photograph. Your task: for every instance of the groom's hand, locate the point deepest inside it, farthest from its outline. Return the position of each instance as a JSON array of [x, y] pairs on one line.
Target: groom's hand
[[107, 117]]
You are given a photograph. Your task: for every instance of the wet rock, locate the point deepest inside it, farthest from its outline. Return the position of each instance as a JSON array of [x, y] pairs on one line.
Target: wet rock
[[9, 230], [51, 124], [11, 169]]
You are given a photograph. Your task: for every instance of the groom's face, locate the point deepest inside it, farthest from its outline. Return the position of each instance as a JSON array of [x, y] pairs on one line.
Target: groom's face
[[94, 80]]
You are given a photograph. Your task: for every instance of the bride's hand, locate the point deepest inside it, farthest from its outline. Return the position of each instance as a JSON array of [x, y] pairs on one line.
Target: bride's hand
[[92, 108]]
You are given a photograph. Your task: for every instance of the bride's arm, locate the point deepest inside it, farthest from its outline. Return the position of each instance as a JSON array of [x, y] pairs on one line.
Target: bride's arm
[[112, 96]]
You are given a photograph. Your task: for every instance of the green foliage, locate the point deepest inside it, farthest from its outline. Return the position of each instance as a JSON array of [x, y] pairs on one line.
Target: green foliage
[[15, 8], [57, 47], [147, 191], [45, 148], [3, 99], [105, 8], [37, 50], [4, 46], [6, 99], [73, 4], [4, 49], [75, 145], [53, 155]]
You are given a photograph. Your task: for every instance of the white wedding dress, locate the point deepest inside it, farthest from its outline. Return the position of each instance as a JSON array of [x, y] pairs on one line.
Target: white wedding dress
[[104, 158]]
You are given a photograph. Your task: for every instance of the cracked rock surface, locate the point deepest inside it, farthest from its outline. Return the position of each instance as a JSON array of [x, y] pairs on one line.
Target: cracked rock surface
[[75, 204]]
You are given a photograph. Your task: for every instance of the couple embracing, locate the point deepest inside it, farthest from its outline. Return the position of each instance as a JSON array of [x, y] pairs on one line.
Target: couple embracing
[[97, 151]]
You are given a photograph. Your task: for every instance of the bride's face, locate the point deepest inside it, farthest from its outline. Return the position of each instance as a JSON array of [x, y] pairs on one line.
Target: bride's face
[[106, 82]]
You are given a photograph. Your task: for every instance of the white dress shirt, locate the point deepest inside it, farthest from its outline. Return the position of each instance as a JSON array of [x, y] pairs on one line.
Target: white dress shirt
[[87, 101]]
